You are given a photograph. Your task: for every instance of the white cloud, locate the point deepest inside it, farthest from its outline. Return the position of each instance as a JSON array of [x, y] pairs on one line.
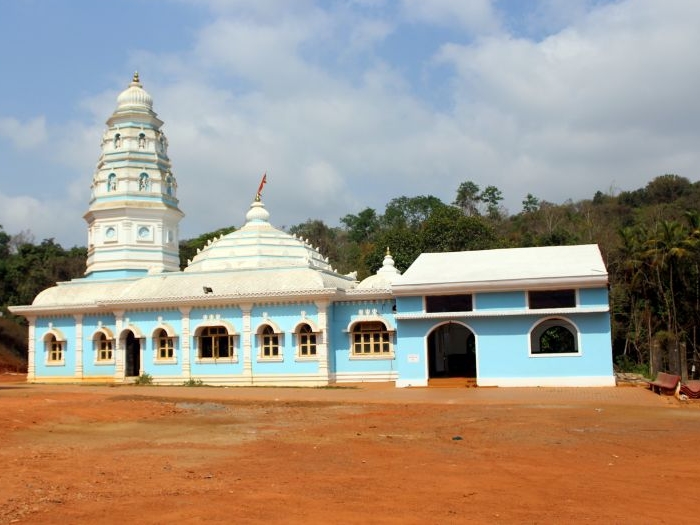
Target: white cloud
[[607, 99], [367, 33], [310, 94], [27, 135], [476, 16], [43, 219]]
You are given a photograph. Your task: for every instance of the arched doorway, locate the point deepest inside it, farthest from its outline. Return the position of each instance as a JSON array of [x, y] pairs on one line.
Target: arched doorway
[[132, 346], [451, 351]]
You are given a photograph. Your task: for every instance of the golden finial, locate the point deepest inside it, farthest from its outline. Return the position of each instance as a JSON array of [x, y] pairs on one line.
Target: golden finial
[[136, 77], [387, 251]]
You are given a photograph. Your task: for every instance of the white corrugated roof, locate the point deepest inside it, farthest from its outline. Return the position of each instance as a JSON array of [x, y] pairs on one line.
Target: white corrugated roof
[[506, 268]]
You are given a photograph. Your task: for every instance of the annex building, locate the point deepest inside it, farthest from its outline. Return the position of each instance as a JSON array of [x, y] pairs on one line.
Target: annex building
[[262, 307]]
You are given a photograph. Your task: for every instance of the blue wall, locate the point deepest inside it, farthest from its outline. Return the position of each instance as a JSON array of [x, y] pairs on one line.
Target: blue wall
[[503, 342]]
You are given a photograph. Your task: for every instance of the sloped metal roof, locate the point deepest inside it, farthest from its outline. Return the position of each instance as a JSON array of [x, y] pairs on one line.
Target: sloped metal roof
[[504, 269]]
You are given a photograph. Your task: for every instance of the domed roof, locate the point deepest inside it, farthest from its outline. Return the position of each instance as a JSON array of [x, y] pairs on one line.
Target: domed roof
[[385, 276], [134, 96], [257, 245]]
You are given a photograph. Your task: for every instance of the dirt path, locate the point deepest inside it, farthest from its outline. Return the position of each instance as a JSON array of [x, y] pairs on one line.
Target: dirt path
[[371, 454]]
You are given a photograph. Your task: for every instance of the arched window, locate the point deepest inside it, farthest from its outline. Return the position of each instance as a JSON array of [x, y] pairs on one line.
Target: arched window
[[554, 336], [104, 347], [54, 349], [169, 184], [165, 346], [117, 140], [306, 341], [371, 338], [269, 342], [143, 182], [112, 182], [142, 140], [214, 342]]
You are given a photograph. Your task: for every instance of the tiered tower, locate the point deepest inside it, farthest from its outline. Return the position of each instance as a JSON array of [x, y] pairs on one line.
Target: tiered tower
[[133, 215]]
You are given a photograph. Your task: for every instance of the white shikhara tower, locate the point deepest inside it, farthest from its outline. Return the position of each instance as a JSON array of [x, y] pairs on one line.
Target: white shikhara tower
[[133, 215]]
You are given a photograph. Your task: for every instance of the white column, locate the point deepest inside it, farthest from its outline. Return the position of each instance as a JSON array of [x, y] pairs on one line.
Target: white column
[[247, 342], [31, 350], [119, 350], [322, 340], [78, 345], [185, 341]]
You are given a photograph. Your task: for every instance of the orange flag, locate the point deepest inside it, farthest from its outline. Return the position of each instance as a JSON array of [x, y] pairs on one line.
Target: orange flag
[[262, 183]]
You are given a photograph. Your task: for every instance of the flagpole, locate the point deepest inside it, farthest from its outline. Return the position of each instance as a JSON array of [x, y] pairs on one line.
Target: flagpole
[[263, 181]]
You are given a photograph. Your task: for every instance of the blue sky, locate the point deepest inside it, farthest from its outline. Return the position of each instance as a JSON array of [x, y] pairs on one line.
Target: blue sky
[[347, 104]]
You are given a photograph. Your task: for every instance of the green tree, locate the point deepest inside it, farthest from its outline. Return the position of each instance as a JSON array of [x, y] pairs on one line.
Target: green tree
[[363, 226], [468, 198], [492, 197], [409, 212], [531, 203], [449, 230]]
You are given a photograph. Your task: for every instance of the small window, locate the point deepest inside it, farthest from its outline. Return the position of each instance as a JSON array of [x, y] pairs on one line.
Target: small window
[[214, 342], [554, 336], [269, 342], [542, 299], [165, 346], [306, 341], [371, 338], [54, 348], [142, 140], [117, 140], [448, 303], [112, 182], [104, 347], [170, 185], [143, 182]]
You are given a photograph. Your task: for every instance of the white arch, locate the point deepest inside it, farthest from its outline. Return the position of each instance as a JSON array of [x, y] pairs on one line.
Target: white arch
[[275, 326], [103, 330], [371, 319], [169, 330], [312, 324], [138, 334], [56, 333], [544, 323], [214, 322], [439, 325]]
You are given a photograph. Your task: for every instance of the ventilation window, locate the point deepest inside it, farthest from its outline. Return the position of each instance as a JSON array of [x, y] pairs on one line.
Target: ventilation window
[[542, 299], [448, 303]]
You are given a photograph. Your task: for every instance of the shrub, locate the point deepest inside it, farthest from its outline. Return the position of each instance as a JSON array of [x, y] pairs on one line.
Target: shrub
[[144, 379]]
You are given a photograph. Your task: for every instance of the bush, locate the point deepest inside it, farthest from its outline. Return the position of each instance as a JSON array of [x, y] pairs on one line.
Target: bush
[[623, 363], [193, 382], [144, 379]]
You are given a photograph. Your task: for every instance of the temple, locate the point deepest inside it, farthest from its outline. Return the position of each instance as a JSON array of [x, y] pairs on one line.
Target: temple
[[259, 306]]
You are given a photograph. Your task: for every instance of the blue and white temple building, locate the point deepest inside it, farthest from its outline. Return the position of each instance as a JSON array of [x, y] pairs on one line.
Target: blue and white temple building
[[261, 307]]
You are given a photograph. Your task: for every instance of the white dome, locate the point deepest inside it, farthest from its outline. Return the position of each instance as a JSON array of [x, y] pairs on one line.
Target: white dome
[[385, 276], [134, 96], [257, 245]]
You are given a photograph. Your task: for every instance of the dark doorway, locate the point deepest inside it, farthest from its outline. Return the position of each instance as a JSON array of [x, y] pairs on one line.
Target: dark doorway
[[451, 351], [133, 355]]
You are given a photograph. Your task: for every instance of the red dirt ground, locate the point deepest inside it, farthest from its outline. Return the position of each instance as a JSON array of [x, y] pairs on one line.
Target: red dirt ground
[[368, 454]]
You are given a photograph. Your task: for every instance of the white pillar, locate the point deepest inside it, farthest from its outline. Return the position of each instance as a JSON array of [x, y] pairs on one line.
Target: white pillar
[[78, 345], [31, 350], [322, 341], [185, 341], [247, 342], [119, 350]]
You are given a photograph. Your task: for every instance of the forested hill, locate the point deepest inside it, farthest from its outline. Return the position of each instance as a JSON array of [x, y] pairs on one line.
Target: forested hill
[[649, 237]]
